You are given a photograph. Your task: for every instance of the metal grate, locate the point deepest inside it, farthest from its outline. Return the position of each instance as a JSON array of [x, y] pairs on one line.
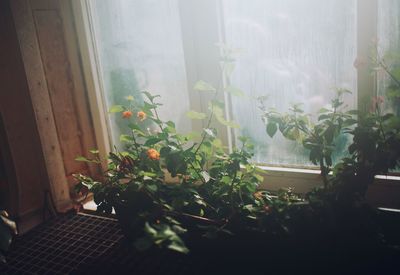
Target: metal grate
[[84, 244]]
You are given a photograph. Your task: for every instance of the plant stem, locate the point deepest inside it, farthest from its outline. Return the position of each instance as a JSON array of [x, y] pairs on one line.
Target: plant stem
[[212, 111], [136, 145], [323, 172], [378, 110]]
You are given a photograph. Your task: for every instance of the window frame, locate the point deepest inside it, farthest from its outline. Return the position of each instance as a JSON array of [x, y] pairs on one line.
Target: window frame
[[202, 62]]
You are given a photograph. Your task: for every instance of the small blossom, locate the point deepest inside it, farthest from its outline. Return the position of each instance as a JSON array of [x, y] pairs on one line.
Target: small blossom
[[126, 114], [141, 115], [267, 209], [153, 154]]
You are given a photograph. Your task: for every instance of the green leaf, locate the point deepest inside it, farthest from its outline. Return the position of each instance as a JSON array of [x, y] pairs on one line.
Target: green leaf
[[234, 91], [81, 158], [209, 132], [219, 115], [170, 124], [150, 96], [259, 177], [353, 112], [322, 117], [116, 109], [94, 151], [150, 230], [271, 129], [130, 98], [176, 164], [136, 129], [151, 187], [231, 123], [349, 122], [125, 138], [260, 170], [323, 110], [203, 86], [205, 176], [179, 247], [328, 160], [151, 141], [217, 143], [196, 115]]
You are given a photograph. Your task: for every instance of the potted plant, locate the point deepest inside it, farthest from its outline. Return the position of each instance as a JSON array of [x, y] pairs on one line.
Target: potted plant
[[188, 192], [164, 182], [373, 149]]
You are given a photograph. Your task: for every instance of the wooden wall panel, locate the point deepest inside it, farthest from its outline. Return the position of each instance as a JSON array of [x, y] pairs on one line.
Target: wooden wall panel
[[54, 73], [49, 28], [81, 97], [40, 97], [20, 134]]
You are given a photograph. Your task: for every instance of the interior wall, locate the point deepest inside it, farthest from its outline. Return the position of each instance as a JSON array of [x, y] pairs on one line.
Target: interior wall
[[47, 38], [43, 105], [27, 179]]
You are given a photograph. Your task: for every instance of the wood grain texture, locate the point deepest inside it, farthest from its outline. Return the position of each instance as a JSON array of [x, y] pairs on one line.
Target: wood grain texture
[[41, 102], [19, 124], [80, 95], [61, 88]]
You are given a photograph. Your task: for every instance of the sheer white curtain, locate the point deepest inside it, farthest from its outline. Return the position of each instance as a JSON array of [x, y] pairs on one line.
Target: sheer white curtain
[[389, 49], [139, 47], [294, 52]]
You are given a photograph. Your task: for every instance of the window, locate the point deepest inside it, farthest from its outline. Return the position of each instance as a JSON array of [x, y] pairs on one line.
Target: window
[[139, 47], [388, 45], [293, 51]]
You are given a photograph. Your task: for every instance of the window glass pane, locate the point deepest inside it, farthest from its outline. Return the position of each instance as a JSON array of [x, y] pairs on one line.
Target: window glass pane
[[389, 50], [293, 51], [140, 48]]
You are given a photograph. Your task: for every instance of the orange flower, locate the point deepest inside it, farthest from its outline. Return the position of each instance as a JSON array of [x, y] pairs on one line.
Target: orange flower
[[126, 114], [258, 195], [153, 154], [141, 115]]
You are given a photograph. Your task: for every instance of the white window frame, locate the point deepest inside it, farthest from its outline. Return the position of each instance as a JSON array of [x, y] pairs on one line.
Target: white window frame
[[202, 62]]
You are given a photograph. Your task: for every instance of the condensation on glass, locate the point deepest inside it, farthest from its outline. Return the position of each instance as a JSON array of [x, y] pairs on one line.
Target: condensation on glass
[[293, 51], [389, 50], [139, 47]]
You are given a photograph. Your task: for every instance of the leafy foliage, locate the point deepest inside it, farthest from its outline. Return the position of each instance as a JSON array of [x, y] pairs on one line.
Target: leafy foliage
[[169, 185], [167, 179], [375, 146]]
